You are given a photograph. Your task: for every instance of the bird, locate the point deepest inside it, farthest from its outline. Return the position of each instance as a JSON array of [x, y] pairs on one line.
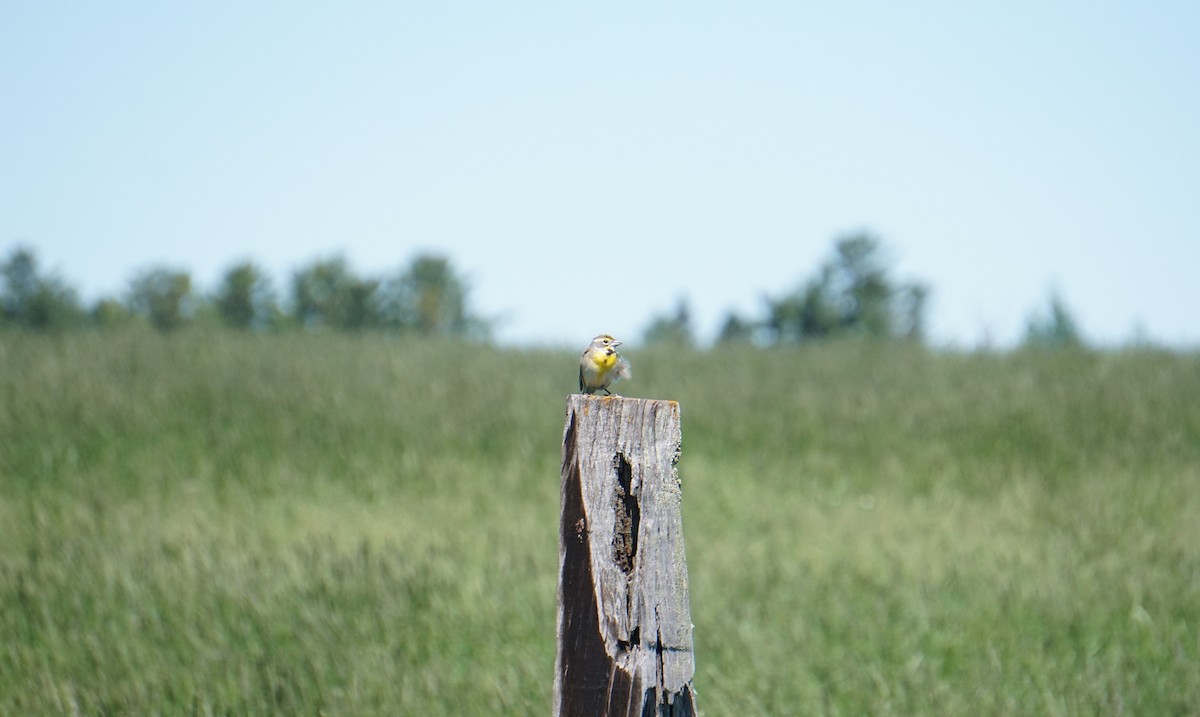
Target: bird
[[600, 365]]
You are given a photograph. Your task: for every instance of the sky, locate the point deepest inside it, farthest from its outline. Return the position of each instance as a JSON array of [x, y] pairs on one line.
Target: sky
[[587, 165]]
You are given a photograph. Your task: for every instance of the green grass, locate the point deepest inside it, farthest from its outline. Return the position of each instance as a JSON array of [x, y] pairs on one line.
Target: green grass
[[323, 524]]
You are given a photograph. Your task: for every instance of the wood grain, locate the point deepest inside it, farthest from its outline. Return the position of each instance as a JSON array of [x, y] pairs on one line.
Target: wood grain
[[624, 622]]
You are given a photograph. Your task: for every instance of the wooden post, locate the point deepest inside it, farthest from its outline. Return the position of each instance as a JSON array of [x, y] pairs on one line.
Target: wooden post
[[624, 625]]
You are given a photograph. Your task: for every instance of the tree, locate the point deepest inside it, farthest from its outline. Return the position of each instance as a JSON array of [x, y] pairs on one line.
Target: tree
[[110, 313], [163, 297], [429, 298], [32, 300], [671, 329], [245, 298], [810, 313], [327, 293], [912, 302], [1056, 328], [851, 295], [736, 330]]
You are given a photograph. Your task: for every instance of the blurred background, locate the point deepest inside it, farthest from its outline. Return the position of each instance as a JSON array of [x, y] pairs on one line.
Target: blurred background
[[291, 296], [586, 169]]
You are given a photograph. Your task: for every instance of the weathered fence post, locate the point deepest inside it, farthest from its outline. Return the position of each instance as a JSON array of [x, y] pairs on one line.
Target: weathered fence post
[[624, 625]]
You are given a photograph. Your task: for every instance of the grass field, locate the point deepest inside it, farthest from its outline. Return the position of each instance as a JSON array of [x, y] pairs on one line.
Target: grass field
[[326, 524]]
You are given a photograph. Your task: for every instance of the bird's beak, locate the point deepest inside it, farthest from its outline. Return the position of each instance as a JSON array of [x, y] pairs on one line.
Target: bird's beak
[[616, 343]]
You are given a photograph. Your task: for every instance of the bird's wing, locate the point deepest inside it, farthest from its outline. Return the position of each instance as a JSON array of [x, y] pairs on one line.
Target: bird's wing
[[581, 379]]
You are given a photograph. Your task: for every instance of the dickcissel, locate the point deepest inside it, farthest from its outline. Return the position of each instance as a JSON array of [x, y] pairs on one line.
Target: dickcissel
[[600, 365]]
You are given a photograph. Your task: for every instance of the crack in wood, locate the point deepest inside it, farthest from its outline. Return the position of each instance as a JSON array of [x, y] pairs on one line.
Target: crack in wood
[[628, 516]]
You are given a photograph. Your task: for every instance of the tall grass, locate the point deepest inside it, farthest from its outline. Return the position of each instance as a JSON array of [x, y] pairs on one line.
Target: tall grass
[[327, 524]]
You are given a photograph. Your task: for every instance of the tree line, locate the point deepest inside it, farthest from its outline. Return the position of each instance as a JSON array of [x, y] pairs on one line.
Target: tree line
[[426, 297], [853, 294]]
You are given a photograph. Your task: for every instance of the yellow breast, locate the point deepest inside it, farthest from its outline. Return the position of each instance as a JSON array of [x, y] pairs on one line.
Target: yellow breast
[[604, 360]]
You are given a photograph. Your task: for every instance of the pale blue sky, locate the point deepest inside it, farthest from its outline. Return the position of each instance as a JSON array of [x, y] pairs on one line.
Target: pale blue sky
[[587, 164]]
